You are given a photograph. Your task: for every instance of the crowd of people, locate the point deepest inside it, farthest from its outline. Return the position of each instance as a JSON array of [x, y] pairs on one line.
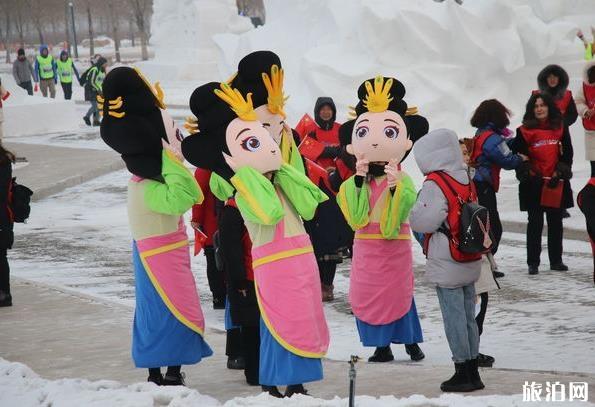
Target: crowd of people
[[46, 71], [275, 209]]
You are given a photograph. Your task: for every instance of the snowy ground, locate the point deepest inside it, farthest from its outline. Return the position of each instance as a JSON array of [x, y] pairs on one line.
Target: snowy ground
[[23, 387], [80, 239]]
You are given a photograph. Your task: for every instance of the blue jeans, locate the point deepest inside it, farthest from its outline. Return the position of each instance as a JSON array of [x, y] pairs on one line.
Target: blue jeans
[[458, 313], [93, 110]]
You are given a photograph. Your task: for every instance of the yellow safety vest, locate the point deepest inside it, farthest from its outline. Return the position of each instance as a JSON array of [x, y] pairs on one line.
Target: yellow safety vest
[[46, 70]]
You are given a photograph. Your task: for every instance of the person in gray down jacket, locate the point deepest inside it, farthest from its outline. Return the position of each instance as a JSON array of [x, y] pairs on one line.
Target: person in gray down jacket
[[439, 151]]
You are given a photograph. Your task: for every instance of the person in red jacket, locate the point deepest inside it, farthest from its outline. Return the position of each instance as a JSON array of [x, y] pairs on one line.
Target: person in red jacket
[[553, 81], [204, 223], [545, 179], [320, 138]]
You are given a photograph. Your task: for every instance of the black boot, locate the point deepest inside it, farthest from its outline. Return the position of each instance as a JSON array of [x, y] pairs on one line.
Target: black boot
[[273, 391], [460, 381], [173, 377], [96, 123], [5, 299], [295, 389], [87, 120], [236, 364], [382, 354], [414, 351], [485, 360], [473, 371], [533, 269], [155, 376], [559, 267]]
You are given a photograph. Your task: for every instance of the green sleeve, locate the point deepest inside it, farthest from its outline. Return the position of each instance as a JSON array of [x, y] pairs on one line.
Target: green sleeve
[[222, 189], [256, 197], [179, 192], [354, 203], [397, 207], [300, 191]]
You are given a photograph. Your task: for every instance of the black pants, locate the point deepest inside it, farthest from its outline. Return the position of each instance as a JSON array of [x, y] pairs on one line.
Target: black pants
[[233, 345], [251, 343], [67, 88], [214, 276], [327, 271], [592, 168], [4, 272], [482, 311], [554, 235], [28, 86], [487, 198]]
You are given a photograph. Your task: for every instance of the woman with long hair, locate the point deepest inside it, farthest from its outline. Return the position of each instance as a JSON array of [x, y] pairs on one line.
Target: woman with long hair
[[6, 225], [545, 180]]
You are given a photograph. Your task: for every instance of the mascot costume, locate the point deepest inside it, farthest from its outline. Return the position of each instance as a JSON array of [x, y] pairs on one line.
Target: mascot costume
[[168, 321], [376, 202], [273, 198]]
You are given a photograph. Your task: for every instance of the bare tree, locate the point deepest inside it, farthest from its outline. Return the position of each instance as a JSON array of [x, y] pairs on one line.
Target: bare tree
[[20, 22], [90, 22], [141, 10], [115, 20], [5, 29], [36, 13]]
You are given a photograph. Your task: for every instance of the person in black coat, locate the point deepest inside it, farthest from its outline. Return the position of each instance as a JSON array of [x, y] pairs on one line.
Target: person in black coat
[[545, 179], [586, 202], [6, 225], [235, 253]]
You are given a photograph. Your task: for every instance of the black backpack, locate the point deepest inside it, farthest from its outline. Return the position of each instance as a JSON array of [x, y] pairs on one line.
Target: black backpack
[[474, 237], [19, 201]]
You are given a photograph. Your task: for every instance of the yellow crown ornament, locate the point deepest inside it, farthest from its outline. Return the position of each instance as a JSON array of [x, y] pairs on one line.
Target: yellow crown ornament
[[378, 97], [274, 85], [242, 107]]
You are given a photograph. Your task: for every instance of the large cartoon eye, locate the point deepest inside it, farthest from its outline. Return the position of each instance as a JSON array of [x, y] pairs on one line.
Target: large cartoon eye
[[179, 135], [361, 132], [251, 144], [391, 132]]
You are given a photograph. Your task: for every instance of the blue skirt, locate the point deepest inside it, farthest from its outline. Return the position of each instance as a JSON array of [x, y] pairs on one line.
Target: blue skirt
[[158, 337], [228, 321], [406, 330], [280, 367]]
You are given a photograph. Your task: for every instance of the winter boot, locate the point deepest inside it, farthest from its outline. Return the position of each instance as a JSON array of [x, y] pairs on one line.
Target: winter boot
[[96, 123], [327, 293], [460, 381], [87, 120], [273, 391], [414, 351], [533, 270], [236, 364], [155, 376], [473, 371], [559, 267], [485, 360], [173, 377], [382, 354], [295, 389], [5, 299]]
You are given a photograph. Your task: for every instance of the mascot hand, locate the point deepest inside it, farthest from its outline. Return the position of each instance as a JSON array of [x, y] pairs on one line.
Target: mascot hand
[[361, 165], [393, 174]]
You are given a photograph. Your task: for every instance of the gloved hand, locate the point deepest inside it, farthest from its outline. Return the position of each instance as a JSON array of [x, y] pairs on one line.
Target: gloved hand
[[523, 173], [331, 152], [36, 88], [564, 170], [553, 182]]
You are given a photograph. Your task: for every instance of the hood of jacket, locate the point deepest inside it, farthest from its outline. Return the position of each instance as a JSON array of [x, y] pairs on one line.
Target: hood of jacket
[[588, 66], [439, 150], [320, 102], [558, 71]]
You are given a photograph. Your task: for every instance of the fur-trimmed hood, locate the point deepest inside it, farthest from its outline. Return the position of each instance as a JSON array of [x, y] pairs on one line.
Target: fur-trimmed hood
[[588, 66], [558, 71]]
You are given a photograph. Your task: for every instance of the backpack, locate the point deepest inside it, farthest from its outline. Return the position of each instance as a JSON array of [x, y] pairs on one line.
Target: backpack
[[19, 202], [468, 230]]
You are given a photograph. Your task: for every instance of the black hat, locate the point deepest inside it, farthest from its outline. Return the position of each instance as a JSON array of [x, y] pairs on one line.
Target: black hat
[[249, 76], [20, 51], [203, 149], [132, 123]]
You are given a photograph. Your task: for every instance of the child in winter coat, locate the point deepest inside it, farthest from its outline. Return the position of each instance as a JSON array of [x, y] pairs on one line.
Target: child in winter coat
[[439, 151]]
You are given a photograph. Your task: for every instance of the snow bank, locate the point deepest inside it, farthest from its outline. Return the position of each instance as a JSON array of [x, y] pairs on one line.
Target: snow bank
[[26, 115], [20, 386]]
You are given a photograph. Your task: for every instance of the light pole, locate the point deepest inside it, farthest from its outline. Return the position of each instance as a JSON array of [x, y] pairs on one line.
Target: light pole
[[76, 50]]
